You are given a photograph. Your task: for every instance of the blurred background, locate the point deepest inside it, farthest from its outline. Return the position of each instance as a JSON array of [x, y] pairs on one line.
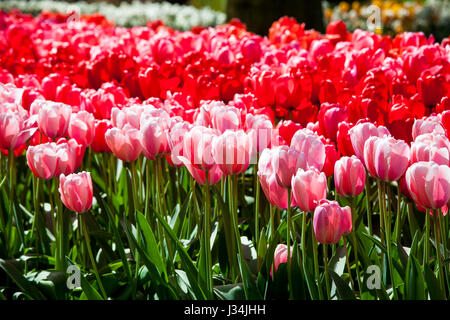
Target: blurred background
[[383, 17]]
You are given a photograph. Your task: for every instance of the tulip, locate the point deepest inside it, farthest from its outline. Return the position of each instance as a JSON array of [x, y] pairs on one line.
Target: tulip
[[331, 221], [330, 115], [225, 118], [82, 127], [51, 159], [76, 191], [386, 158], [232, 151], [310, 147], [276, 194], [308, 188], [197, 147], [286, 161], [427, 125], [176, 136], [363, 131], [431, 147], [154, 138], [99, 144], [349, 176], [280, 256], [429, 184], [259, 127], [53, 119], [332, 155], [124, 143], [15, 129]]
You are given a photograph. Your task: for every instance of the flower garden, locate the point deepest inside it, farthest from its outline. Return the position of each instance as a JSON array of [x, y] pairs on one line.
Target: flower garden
[[215, 163]]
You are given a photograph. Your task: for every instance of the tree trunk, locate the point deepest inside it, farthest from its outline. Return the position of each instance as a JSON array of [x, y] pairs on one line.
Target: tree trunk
[[259, 15]]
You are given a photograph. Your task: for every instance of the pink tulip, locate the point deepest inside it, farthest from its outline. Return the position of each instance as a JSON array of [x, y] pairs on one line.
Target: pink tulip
[[232, 151], [125, 143], [259, 127], [176, 136], [280, 256], [363, 131], [331, 221], [76, 191], [311, 148], [286, 161], [82, 127], [308, 188], [276, 194], [214, 173], [427, 125], [386, 158], [154, 138], [197, 147], [225, 118], [53, 119], [49, 160], [349, 176], [131, 116], [431, 147], [429, 184], [15, 128]]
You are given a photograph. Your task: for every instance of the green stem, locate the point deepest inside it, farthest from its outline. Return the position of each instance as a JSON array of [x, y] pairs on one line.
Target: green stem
[[234, 216], [426, 255], [288, 239], [387, 225], [257, 192], [91, 256], [325, 262], [60, 252], [207, 236], [316, 265], [437, 235], [369, 208], [347, 261]]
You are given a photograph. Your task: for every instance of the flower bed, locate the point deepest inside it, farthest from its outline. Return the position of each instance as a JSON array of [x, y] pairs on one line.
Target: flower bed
[[392, 17], [136, 13], [218, 164]]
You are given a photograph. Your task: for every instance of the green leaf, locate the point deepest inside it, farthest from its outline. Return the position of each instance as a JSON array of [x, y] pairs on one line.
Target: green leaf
[[189, 267], [432, 284], [342, 289], [230, 292], [151, 245], [25, 285], [88, 290], [415, 288]]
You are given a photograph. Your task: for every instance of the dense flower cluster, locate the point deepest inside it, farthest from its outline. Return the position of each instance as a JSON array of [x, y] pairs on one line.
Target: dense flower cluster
[[126, 14], [393, 16], [310, 111]]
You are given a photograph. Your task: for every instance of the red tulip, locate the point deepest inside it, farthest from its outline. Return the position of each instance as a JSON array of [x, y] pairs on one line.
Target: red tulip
[[99, 143]]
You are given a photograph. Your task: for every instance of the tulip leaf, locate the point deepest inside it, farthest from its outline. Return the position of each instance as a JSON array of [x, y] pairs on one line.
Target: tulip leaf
[[342, 289], [432, 284], [25, 285], [151, 245]]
